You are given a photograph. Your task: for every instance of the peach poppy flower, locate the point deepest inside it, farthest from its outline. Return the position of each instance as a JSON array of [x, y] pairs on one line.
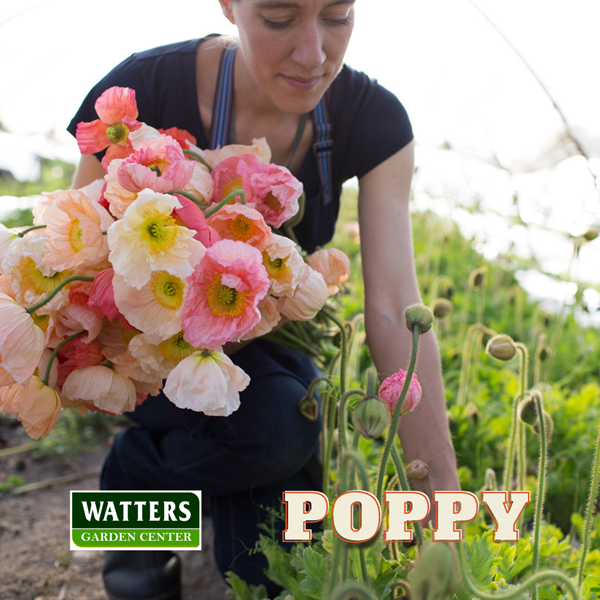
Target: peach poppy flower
[[391, 388], [233, 174], [21, 340], [334, 265], [259, 148], [270, 315], [207, 382], [118, 198], [6, 282], [156, 307], [284, 265], [308, 299], [143, 134], [147, 239], [73, 318], [117, 110], [33, 279], [274, 190], [223, 293], [183, 137], [7, 236], [190, 216], [242, 223], [101, 387], [146, 349], [74, 226], [157, 164], [201, 185], [38, 407]]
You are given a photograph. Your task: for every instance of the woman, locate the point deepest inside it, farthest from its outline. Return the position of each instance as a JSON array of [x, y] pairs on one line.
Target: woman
[[283, 80]]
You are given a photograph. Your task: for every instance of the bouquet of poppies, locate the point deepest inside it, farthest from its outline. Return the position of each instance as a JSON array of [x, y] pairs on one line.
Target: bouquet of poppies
[[135, 282]]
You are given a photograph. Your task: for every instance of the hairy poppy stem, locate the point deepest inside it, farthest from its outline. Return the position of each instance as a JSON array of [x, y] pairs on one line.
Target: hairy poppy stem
[[57, 289], [197, 158], [239, 192], [56, 351], [22, 233]]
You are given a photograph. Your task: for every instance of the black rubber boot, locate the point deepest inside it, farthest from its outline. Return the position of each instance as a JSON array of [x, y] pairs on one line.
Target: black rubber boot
[[142, 575]]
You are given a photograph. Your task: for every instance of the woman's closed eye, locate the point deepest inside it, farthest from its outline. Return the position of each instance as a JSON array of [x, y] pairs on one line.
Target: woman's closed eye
[[328, 20]]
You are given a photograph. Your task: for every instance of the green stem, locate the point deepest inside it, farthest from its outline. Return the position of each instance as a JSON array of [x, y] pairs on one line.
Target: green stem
[[589, 511], [363, 565], [405, 487], [335, 563], [344, 348], [541, 491], [289, 225], [331, 413], [342, 424], [371, 381], [345, 562], [522, 436], [57, 289], [56, 351], [22, 233], [540, 576], [510, 453], [350, 455], [191, 197], [198, 158], [394, 425], [220, 205], [296, 340], [354, 590]]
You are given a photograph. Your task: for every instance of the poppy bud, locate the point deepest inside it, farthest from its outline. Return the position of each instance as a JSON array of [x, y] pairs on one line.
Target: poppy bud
[[490, 483], [548, 426], [592, 233], [309, 407], [418, 314], [416, 469], [501, 347], [472, 412], [441, 308], [477, 278], [370, 418], [434, 576], [528, 410]]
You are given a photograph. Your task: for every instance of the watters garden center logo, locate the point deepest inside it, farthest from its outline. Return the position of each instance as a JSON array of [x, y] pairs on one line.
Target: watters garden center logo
[[105, 520]]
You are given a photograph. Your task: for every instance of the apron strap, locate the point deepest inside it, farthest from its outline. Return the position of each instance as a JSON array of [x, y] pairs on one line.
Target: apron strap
[[323, 147], [223, 100]]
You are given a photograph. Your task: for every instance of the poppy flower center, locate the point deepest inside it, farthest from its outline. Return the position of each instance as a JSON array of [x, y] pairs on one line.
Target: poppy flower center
[[272, 202], [176, 348], [167, 289], [75, 234], [158, 231], [242, 228], [225, 301], [117, 133], [236, 184]]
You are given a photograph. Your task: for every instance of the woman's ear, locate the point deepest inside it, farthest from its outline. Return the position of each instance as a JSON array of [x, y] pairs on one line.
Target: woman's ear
[[227, 10]]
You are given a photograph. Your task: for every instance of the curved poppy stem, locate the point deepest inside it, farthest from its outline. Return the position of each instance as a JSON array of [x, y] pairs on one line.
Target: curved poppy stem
[[198, 158], [22, 233], [57, 289], [56, 351], [191, 197], [217, 207]]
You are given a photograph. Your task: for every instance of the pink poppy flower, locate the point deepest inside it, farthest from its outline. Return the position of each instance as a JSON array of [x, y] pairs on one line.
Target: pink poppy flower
[[334, 265], [275, 191], [74, 226], [190, 216], [21, 340], [206, 382], [157, 164], [242, 223], [233, 174], [77, 354], [391, 388], [308, 299], [117, 110], [102, 298], [223, 294], [184, 138]]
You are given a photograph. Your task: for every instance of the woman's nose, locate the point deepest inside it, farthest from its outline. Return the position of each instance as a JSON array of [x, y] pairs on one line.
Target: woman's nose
[[309, 48]]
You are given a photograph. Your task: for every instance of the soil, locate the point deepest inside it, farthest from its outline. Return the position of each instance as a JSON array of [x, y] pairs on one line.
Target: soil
[[35, 560]]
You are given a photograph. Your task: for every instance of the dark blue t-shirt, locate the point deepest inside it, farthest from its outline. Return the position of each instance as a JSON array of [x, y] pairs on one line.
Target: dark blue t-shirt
[[369, 123]]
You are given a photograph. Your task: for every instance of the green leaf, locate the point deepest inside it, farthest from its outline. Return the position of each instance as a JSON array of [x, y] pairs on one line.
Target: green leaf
[[482, 558], [388, 570], [240, 590], [328, 539], [316, 567], [506, 554], [524, 556]]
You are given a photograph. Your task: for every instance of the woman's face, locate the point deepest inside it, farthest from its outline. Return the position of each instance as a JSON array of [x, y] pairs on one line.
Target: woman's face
[[292, 49]]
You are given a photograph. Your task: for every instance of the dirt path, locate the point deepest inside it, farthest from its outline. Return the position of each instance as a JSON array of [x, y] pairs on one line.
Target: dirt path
[[35, 560]]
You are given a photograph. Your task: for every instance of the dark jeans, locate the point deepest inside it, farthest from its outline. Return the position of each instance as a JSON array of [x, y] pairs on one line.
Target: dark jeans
[[239, 462]]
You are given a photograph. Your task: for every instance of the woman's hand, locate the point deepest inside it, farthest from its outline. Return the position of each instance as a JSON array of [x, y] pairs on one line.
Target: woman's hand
[[391, 286]]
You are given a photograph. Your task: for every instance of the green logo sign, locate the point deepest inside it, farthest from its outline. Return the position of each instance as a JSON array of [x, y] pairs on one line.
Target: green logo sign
[[104, 520]]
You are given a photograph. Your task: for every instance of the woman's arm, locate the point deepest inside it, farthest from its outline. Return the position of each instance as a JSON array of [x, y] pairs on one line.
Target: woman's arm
[[391, 286], [88, 170]]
